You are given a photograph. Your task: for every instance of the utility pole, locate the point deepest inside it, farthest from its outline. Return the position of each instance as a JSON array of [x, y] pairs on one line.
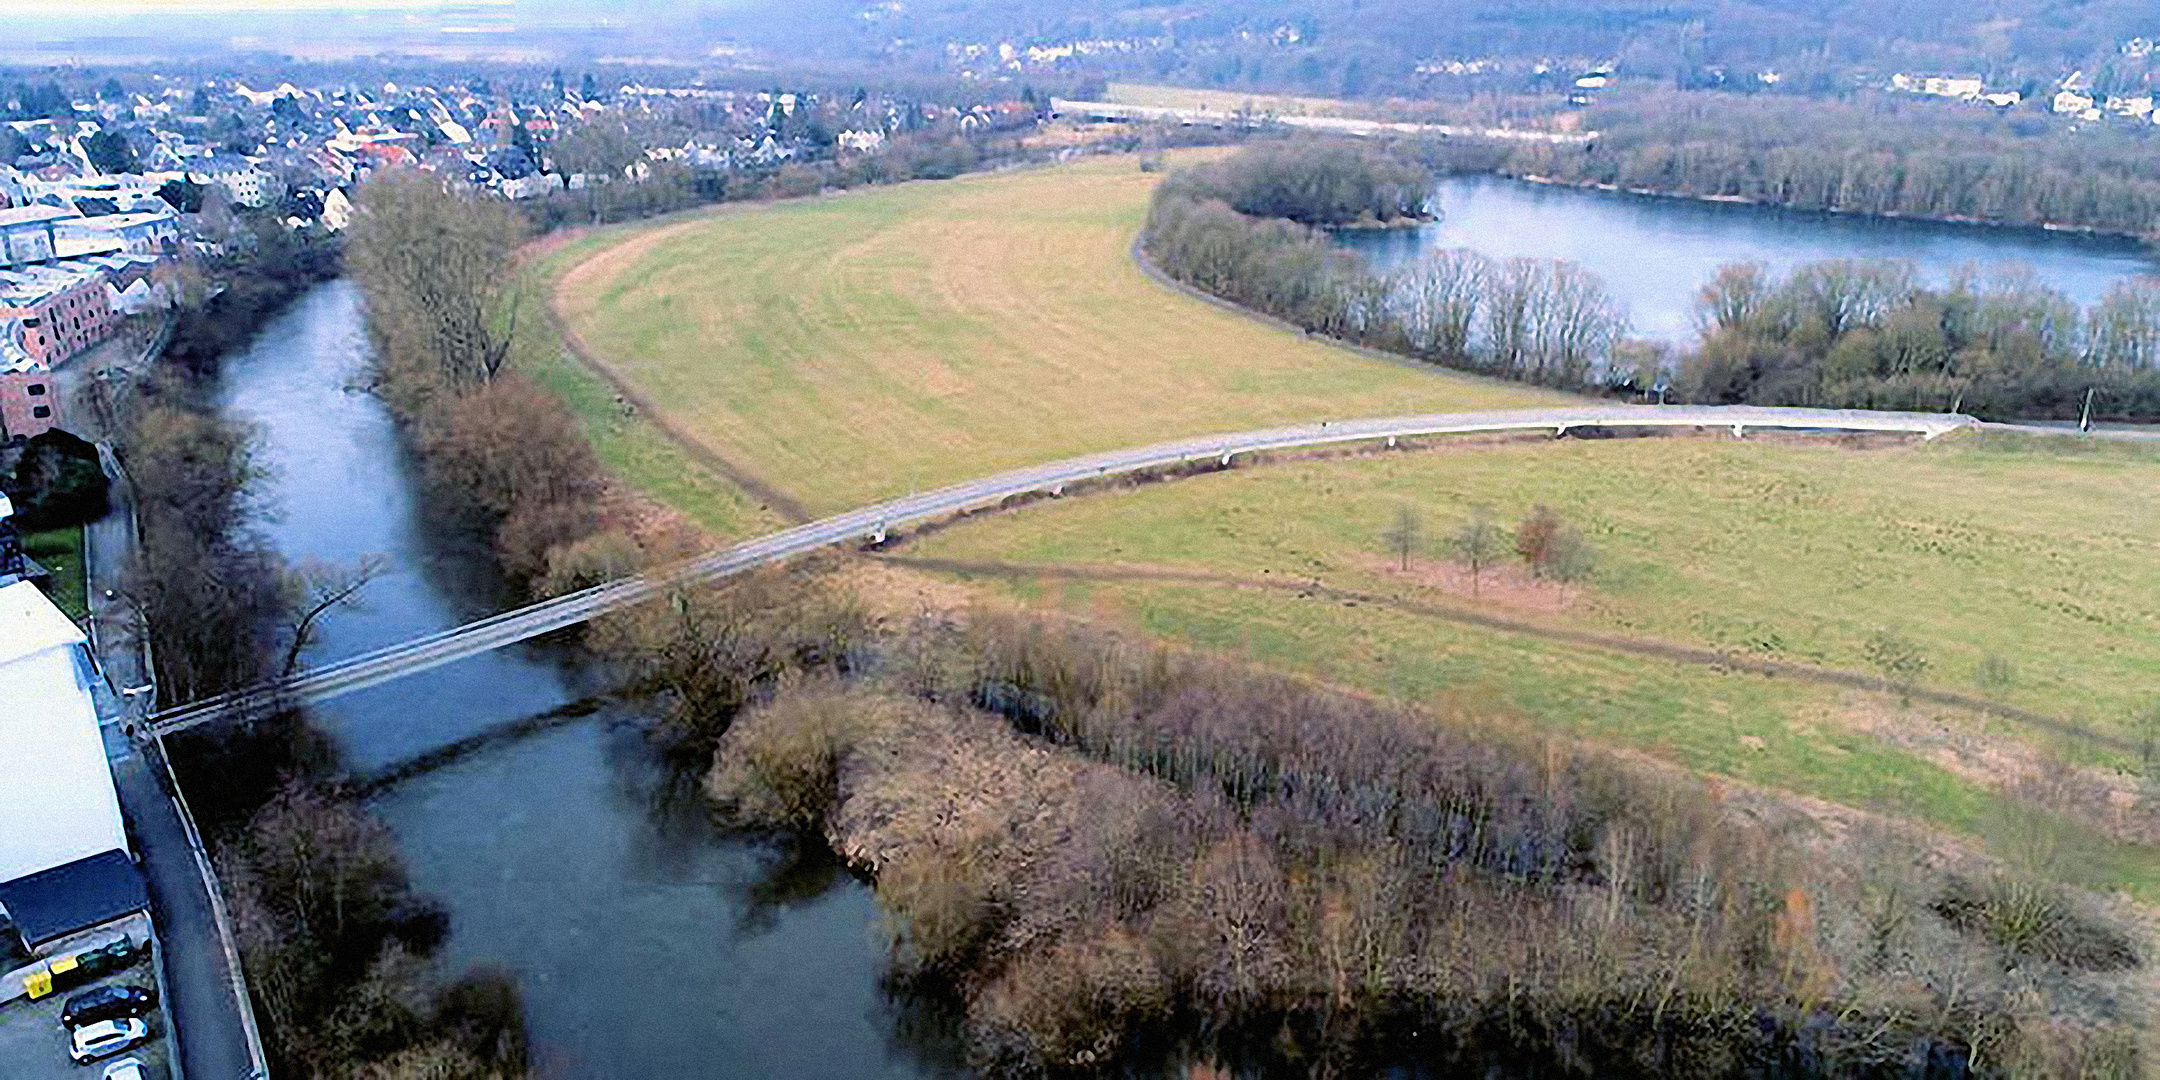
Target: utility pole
[[2085, 418]]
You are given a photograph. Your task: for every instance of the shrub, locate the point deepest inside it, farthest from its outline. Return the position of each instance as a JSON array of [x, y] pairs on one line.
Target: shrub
[[57, 482]]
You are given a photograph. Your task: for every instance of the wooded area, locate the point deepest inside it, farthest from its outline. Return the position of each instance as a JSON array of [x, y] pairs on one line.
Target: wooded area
[[1868, 334], [1866, 157]]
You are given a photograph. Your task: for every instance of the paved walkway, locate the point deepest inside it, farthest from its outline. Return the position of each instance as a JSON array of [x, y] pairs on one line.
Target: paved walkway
[[202, 992]]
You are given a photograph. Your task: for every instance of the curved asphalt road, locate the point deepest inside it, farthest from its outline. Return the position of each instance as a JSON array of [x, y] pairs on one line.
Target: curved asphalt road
[[871, 523]]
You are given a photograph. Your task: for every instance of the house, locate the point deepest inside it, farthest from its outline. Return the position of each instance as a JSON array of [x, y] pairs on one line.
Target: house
[[1962, 87], [866, 142], [2072, 102], [27, 234], [2136, 108], [242, 180], [336, 210], [66, 869]]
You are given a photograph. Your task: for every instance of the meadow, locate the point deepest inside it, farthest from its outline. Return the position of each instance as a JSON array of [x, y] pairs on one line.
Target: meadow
[[845, 349], [2041, 557]]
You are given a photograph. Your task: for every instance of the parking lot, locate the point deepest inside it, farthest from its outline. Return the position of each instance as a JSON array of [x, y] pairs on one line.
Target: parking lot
[[33, 1045]]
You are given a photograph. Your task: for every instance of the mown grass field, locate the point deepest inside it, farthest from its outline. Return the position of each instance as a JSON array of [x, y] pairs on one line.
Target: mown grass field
[[628, 444], [2046, 556], [61, 551], [850, 348]]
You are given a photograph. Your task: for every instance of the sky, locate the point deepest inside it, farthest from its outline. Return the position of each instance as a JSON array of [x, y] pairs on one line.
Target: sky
[[93, 9]]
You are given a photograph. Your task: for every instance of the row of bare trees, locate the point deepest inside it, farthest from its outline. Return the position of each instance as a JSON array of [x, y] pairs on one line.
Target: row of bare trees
[[435, 261], [1544, 321]]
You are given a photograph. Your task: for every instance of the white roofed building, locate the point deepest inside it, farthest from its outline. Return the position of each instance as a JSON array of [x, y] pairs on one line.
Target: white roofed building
[[65, 864]]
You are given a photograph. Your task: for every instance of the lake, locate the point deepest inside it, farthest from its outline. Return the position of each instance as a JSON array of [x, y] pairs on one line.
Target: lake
[[1655, 253]]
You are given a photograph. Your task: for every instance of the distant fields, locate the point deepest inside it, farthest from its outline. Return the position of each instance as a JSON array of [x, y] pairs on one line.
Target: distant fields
[[851, 348], [1184, 97]]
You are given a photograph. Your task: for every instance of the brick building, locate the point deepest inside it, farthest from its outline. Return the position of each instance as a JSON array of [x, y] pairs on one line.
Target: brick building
[[57, 312], [29, 404]]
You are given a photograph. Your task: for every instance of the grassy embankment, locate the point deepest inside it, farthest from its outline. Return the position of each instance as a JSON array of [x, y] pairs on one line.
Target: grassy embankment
[[61, 551], [847, 349]]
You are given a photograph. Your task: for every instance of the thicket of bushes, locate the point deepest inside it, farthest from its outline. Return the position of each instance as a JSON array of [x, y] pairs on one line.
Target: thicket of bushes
[[1311, 183], [1113, 850], [1869, 334], [433, 259]]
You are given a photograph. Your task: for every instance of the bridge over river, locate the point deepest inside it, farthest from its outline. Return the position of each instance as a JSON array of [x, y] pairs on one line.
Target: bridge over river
[[871, 523]]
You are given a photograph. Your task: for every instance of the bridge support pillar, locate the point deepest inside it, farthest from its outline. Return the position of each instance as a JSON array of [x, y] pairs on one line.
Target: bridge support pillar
[[1226, 457], [1057, 490], [1391, 442], [1739, 431], [878, 537], [1560, 431]]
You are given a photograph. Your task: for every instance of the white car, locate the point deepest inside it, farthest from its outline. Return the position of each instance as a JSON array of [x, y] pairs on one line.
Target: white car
[[126, 1069], [105, 1038]]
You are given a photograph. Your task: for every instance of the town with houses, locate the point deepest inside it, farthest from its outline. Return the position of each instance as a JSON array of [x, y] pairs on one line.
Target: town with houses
[[103, 200]]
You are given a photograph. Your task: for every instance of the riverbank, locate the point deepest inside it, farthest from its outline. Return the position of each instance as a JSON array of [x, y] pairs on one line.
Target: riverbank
[[2148, 240]]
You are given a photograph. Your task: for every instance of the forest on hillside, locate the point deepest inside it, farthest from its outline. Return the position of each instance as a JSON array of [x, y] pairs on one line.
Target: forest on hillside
[[1360, 47]]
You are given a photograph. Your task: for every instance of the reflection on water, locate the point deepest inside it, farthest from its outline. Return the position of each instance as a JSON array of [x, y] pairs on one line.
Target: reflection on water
[[646, 942], [1656, 253]]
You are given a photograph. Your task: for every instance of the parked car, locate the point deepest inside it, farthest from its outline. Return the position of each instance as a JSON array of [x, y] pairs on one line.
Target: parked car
[[106, 1038], [115, 1002], [126, 1069]]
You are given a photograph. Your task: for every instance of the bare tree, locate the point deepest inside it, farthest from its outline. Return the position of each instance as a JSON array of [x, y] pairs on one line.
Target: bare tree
[[433, 260], [1436, 301], [1407, 535], [1898, 658], [1477, 545], [318, 589], [1571, 560], [602, 149]]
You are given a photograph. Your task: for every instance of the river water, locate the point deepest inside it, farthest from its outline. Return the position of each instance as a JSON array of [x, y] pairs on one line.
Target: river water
[[647, 943], [1654, 253]]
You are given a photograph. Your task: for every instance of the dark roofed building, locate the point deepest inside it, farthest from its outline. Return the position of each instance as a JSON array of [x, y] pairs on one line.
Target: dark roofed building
[[72, 898]]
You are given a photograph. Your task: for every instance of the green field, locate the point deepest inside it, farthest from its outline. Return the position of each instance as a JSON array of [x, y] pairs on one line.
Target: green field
[[2046, 557], [628, 444], [846, 349], [61, 551]]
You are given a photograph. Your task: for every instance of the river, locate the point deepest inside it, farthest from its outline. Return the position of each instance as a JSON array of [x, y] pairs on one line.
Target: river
[[646, 942], [1654, 253]]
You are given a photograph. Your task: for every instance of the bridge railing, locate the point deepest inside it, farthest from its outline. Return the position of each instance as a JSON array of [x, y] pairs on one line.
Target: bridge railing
[[522, 624]]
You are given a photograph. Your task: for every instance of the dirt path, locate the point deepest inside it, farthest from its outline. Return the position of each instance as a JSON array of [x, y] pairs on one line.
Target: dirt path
[[779, 502], [1646, 647]]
